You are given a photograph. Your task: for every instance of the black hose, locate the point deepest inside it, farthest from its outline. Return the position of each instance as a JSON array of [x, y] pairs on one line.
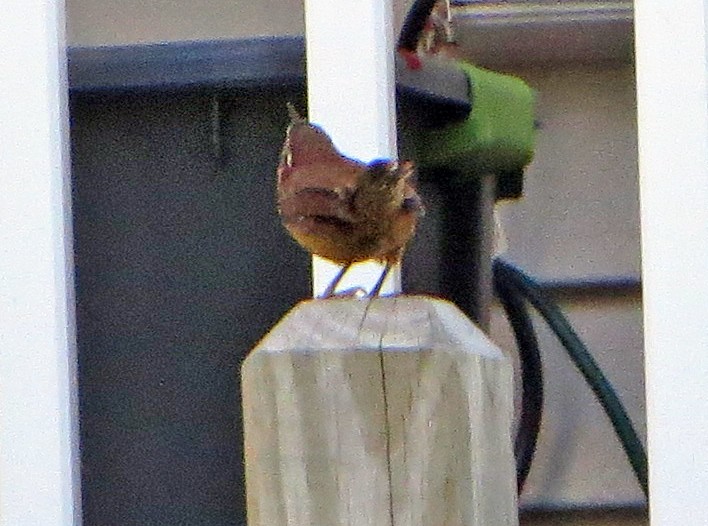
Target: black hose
[[531, 377], [414, 24], [585, 363]]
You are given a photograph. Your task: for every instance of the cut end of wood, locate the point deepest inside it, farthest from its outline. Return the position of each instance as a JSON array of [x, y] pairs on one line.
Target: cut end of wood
[[397, 323]]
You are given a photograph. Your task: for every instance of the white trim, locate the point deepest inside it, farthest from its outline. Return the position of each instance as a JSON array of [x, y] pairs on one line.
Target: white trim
[[351, 87], [38, 433], [672, 91]]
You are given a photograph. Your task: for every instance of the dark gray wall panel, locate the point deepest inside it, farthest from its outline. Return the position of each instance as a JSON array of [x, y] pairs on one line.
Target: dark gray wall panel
[[181, 266]]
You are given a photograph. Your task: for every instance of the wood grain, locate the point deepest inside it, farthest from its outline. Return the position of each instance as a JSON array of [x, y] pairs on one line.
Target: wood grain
[[392, 411]]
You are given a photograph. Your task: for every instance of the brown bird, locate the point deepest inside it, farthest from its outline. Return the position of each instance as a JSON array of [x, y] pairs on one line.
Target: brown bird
[[342, 209]]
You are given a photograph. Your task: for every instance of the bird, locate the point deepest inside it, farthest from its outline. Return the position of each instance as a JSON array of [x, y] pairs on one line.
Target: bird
[[340, 208]]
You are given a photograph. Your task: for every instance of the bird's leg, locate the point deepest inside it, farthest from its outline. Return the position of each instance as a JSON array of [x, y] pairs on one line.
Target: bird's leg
[[377, 288], [329, 291]]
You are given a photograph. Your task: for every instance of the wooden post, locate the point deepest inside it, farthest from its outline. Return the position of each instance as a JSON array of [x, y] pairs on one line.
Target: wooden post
[[392, 411]]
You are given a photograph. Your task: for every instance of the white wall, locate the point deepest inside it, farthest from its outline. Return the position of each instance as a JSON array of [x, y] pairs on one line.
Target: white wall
[[579, 217], [106, 22]]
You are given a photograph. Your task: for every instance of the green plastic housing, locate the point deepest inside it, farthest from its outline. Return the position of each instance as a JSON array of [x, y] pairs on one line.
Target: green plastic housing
[[497, 137]]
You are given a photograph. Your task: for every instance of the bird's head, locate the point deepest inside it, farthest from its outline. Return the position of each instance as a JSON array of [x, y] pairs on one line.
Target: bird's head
[[391, 181], [386, 173]]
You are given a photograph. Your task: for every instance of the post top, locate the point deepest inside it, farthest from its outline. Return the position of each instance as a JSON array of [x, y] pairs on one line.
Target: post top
[[398, 323]]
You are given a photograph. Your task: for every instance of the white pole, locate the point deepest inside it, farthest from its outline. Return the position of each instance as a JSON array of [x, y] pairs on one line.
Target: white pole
[[351, 94], [38, 439], [672, 94]]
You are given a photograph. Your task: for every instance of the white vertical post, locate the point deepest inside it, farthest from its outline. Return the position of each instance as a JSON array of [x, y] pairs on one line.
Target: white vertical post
[[351, 94], [672, 94], [38, 439]]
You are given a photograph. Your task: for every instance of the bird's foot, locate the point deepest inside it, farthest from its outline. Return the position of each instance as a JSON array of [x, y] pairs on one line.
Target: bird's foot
[[354, 292]]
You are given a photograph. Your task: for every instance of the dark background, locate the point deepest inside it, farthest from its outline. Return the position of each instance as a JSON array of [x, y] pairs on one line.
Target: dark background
[[181, 265]]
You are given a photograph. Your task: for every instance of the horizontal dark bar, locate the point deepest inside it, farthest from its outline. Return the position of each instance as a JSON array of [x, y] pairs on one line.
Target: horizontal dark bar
[[605, 513], [602, 286], [239, 64]]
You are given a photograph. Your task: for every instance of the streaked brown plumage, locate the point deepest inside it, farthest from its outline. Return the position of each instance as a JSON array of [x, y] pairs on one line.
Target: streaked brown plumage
[[342, 209]]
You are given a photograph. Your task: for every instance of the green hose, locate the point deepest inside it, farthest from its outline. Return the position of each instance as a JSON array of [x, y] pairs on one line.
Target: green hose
[[587, 366]]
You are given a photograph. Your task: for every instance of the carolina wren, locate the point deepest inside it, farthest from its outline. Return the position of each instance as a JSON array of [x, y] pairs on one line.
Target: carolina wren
[[342, 209]]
